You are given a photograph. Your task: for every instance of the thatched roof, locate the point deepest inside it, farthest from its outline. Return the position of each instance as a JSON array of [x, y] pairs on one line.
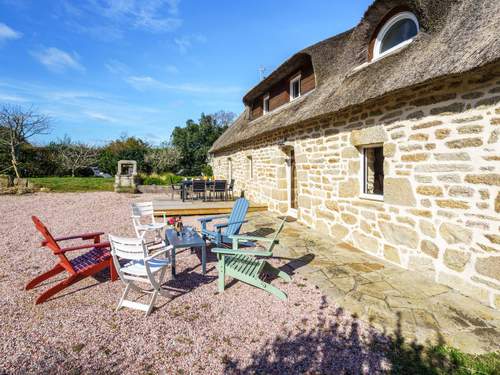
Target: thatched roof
[[455, 36]]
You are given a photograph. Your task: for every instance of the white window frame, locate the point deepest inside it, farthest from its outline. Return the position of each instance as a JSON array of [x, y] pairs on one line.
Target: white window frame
[[363, 174], [292, 81], [266, 97], [388, 25]]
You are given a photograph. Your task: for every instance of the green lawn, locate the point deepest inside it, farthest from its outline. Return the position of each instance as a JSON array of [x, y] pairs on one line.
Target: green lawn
[[69, 184]]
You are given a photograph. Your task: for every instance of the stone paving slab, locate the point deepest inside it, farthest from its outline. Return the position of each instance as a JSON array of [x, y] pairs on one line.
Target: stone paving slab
[[391, 298]]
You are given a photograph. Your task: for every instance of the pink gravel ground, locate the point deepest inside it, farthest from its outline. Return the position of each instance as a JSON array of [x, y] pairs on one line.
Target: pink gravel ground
[[243, 330]]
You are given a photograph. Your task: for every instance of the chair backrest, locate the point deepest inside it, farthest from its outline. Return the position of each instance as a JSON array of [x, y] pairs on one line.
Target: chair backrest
[[143, 209], [276, 234], [128, 248], [49, 240], [220, 185], [140, 210], [51, 243], [199, 186], [238, 214]]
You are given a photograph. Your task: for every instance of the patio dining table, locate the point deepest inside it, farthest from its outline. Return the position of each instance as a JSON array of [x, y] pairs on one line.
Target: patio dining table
[[188, 183]]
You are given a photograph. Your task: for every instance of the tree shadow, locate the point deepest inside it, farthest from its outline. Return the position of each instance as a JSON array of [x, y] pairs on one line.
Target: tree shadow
[[336, 345], [261, 232]]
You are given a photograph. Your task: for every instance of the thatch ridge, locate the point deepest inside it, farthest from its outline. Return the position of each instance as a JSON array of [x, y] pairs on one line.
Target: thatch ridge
[[456, 36]]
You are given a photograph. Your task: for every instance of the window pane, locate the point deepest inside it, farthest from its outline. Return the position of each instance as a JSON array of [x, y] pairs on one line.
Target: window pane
[[402, 30], [266, 105], [295, 89], [374, 170]]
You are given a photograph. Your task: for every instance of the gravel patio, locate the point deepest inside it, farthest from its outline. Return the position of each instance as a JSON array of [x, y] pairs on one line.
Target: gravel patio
[[243, 330]]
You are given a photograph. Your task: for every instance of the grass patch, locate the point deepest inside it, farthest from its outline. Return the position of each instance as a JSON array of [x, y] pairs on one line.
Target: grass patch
[[441, 360], [73, 184]]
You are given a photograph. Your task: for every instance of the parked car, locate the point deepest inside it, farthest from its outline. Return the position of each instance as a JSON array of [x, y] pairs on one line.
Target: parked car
[[98, 173]]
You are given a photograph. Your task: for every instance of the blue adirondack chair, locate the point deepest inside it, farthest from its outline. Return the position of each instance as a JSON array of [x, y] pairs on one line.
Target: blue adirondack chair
[[221, 233]]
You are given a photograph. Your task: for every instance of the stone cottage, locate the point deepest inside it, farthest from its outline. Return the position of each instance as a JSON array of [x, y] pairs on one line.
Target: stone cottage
[[386, 137]]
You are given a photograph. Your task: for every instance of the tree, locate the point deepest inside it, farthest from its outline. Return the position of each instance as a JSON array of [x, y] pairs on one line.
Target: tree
[[17, 126], [162, 159], [223, 118], [73, 156], [130, 148], [195, 139]]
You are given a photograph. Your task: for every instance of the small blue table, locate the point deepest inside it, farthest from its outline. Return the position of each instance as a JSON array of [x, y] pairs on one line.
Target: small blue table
[[184, 241]]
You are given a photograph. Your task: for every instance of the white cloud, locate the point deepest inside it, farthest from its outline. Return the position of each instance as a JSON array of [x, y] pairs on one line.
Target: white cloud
[[57, 60], [173, 6], [7, 33], [142, 83], [171, 69], [100, 116], [117, 67], [12, 98], [184, 43], [156, 16]]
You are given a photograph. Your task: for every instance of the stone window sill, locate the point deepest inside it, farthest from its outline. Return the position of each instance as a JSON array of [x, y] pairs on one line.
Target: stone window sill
[[372, 197]]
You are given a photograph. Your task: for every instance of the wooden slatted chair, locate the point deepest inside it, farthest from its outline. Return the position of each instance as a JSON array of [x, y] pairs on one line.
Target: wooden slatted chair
[[140, 266], [88, 264], [248, 265], [220, 236]]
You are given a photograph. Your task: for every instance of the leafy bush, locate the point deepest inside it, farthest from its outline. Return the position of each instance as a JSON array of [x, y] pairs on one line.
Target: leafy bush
[[207, 170], [163, 179], [150, 180]]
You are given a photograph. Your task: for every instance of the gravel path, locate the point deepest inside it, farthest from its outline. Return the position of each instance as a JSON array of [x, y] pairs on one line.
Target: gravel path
[[243, 330]]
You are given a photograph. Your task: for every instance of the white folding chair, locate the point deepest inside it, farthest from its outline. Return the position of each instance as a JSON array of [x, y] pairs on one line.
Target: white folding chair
[[143, 210], [139, 266]]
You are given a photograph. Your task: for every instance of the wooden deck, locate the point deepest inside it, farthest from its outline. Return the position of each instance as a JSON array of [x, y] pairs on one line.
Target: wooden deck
[[197, 208]]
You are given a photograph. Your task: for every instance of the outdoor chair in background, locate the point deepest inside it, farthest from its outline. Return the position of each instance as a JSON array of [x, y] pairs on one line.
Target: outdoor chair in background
[[220, 235], [176, 189], [88, 264], [218, 189], [138, 265], [145, 210], [230, 189], [243, 264], [199, 188]]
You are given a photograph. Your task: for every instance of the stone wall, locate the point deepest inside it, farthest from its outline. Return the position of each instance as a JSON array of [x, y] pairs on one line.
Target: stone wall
[[440, 212]]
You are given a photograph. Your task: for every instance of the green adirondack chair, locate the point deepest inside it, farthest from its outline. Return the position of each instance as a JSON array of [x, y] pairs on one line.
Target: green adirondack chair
[[248, 266]]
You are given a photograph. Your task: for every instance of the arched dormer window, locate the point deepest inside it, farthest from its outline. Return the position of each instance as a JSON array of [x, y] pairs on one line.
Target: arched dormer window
[[397, 32]]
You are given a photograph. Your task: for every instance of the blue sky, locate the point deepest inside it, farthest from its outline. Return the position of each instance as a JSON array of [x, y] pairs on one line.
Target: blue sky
[[104, 68]]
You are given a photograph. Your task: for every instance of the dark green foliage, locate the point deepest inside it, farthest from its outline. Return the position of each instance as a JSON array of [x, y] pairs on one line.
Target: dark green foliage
[[123, 149], [150, 180], [207, 170], [195, 139], [185, 154]]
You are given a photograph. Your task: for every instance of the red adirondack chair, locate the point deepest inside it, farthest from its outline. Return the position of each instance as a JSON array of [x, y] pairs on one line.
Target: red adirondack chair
[[85, 265]]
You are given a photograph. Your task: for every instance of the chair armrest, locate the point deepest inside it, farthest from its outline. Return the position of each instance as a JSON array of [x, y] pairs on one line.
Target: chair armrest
[[162, 251], [85, 236], [81, 247], [242, 237], [222, 225], [242, 252], [210, 218]]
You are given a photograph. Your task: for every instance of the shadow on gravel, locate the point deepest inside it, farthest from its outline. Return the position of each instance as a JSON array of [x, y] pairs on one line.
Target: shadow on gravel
[[329, 348]]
